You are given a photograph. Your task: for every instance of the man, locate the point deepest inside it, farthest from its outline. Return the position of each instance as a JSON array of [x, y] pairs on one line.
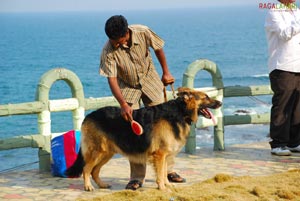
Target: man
[[127, 63], [283, 35]]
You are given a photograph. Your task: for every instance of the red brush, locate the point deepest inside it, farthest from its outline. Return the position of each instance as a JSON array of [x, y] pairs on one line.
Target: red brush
[[136, 127]]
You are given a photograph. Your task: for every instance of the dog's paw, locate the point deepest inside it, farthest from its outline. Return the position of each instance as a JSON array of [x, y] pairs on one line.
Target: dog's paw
[[89, 188], [165, 189], [162, 186]]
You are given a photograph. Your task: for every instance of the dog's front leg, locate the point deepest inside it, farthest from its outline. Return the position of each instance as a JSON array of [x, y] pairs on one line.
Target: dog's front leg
[[160, 168], [168, 160], [167, 183]]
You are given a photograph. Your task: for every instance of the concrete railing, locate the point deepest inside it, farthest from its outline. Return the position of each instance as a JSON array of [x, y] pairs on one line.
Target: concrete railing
[[78, 104], [219, 91], [43, 108]]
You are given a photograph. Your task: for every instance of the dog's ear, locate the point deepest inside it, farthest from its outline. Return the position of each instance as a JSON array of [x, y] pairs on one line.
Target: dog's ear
[[187, 93], [184, 89], [184, 92], [189, 98]]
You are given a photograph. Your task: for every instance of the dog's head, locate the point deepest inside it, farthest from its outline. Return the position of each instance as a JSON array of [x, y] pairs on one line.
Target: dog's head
[[198, 103]]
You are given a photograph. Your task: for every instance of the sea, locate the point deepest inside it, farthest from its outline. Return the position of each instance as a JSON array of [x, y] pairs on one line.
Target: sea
[[33, 43]]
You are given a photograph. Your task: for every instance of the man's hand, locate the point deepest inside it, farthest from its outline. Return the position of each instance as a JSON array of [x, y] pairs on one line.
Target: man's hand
[[126, 112], [167, 79]]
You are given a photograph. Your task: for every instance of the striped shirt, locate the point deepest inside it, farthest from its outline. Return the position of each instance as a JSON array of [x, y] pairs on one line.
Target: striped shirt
[[133, 66]]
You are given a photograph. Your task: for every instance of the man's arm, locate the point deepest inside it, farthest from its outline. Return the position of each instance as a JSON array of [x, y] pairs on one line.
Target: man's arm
[[276, 24], [126, 110], [167, 76]]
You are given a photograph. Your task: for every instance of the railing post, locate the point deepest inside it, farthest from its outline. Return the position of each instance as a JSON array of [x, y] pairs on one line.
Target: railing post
[[44, 119], [188, 81], [78, 116]]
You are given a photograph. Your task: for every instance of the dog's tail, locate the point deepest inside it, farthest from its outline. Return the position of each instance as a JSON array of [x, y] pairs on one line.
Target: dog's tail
[[77, 168]]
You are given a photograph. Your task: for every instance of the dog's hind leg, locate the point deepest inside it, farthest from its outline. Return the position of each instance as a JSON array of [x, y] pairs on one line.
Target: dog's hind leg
[[102, 159], [87, 169]]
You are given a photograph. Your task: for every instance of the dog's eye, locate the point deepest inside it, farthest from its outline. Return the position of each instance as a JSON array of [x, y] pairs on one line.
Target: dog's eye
[[207, 98]]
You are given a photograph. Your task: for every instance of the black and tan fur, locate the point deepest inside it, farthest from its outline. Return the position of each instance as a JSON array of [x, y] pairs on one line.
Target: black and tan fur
[[166, 128]]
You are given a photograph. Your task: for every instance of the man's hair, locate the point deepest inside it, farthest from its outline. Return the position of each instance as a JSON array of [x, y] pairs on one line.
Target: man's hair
[[116, 27]]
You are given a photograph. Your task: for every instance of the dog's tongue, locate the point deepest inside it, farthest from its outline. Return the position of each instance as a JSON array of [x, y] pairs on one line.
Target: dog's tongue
[[212, 117]]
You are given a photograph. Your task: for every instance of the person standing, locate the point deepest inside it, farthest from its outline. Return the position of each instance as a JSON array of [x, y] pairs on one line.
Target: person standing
[[127, 63], [283, 36]]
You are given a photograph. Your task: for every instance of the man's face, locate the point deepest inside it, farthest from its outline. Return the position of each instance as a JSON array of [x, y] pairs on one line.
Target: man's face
[[121, 41]]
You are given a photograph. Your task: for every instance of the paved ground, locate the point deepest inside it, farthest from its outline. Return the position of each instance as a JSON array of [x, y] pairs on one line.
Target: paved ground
[[246, 159]]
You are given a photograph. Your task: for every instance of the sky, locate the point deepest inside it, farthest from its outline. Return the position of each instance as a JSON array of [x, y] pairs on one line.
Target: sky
[[98, 5]]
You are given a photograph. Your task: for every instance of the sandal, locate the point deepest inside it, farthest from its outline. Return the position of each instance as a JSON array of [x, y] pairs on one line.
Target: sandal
[[174, 177], [133, 185]]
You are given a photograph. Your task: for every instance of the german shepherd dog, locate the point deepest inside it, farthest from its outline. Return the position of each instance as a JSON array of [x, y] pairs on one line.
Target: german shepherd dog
[[166, 127]]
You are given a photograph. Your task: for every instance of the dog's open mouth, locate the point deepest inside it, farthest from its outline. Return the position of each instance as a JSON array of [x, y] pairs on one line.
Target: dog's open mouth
[[207, 114]]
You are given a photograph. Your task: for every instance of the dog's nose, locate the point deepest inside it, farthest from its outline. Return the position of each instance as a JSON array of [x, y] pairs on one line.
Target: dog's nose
[[218, 104]]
